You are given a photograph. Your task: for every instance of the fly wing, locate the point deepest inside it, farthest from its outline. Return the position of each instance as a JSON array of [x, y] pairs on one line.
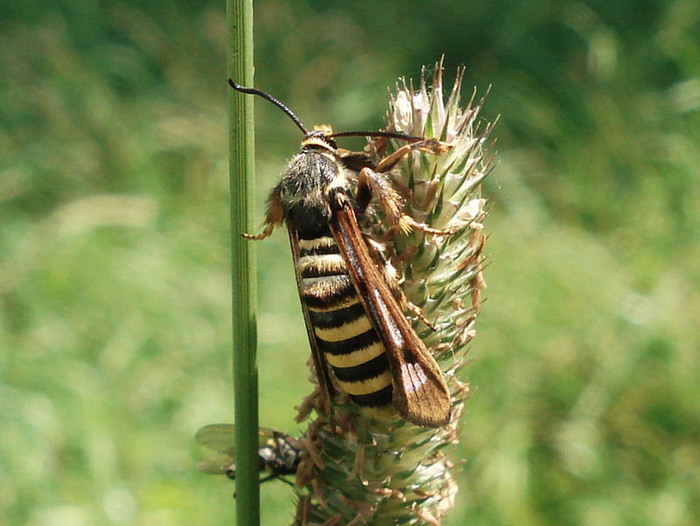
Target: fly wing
[[420, 391], [222, 438], [219, 464], [218, 437]]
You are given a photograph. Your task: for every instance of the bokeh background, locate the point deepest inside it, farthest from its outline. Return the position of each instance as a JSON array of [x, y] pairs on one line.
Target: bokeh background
[[114, 280]]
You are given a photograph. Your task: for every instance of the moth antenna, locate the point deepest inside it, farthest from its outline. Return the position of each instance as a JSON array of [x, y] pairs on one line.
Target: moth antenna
[[267, 96], [300, 125]]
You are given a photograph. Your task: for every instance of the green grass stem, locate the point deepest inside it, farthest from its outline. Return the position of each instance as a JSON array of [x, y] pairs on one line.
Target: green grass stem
[[242, 177]]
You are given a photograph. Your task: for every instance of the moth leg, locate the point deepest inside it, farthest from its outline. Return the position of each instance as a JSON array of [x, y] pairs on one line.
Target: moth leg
[[354, 161], [412, 224], [370, 184], [273, 216], [303, 514], [377, 147], [429, 146], [394, 281], [358, 466], [418, 312], [267, 232]]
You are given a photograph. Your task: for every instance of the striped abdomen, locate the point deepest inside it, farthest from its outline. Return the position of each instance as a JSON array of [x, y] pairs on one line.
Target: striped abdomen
[[343, 331]]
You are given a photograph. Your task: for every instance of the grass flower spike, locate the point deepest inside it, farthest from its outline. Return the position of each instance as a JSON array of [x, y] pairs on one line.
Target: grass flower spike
[[361, 470]]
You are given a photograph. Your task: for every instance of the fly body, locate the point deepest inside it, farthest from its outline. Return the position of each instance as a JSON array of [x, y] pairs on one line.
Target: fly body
[[278, 454]]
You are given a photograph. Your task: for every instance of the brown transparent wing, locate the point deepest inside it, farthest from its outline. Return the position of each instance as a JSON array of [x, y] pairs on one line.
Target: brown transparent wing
[[420, 391]]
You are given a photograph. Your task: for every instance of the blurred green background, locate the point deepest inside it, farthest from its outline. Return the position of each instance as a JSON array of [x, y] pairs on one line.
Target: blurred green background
[[114, 325]]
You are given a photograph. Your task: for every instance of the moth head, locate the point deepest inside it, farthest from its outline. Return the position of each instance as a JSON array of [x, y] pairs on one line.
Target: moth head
[[320, 137], [324, 129]]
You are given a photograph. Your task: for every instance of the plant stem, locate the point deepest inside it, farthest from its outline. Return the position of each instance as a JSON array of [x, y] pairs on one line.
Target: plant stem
[[242, 176]]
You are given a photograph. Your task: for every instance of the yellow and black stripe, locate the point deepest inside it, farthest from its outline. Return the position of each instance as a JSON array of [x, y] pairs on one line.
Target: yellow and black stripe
[[342, 329]]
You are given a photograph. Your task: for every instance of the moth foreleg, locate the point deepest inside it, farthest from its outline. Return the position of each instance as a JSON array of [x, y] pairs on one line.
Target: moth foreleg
[[372, 184], [405, 224], [274, 216], [267, 232], [429, 146], [409, 224]]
